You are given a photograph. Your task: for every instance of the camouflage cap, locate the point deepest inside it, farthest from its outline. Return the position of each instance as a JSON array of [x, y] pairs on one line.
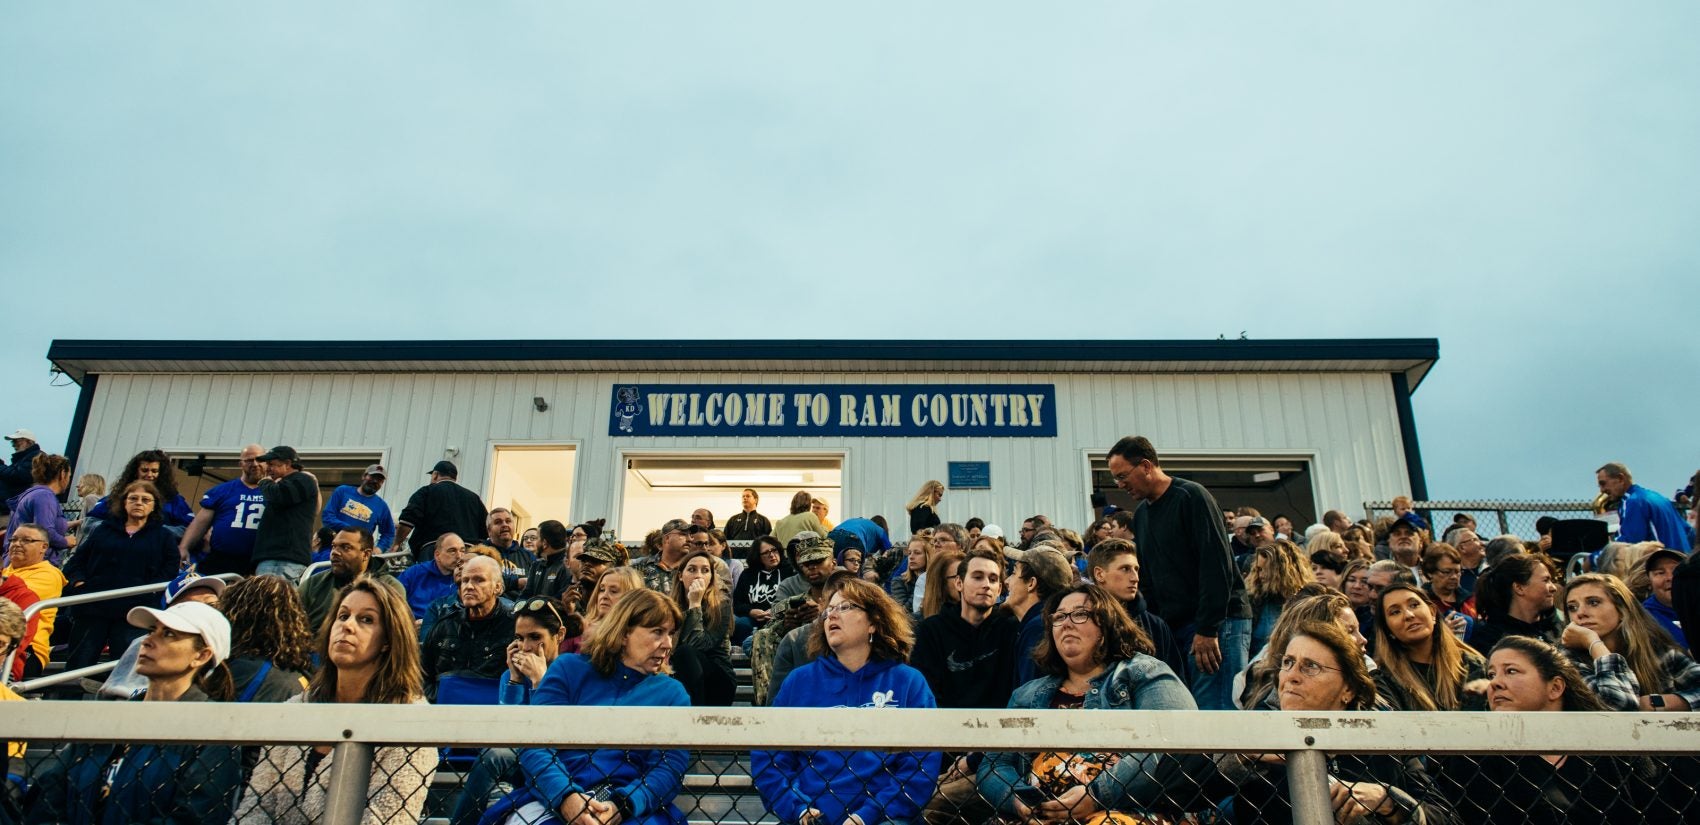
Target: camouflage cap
[[813, 550], [603, 551]]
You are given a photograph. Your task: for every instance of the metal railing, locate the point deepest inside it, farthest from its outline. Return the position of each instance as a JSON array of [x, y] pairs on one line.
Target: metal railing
[[321, 565], [70, 601], [1305, 742], [1493, 518]]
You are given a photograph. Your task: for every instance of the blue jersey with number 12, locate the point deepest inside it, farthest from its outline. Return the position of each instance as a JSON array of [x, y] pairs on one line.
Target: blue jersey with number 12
[[236, 516]]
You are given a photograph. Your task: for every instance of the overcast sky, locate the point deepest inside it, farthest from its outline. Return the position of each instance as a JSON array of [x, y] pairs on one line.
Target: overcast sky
[[1520, 180]]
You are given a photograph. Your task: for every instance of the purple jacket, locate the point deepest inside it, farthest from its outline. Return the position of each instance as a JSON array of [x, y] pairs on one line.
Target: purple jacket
[[38, 504]]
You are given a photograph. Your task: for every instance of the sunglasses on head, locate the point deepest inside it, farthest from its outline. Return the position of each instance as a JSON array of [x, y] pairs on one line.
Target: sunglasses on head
[[537, 604]]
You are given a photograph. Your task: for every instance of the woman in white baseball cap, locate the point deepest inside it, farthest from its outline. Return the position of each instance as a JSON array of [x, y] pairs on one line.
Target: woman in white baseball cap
[[182, 657]]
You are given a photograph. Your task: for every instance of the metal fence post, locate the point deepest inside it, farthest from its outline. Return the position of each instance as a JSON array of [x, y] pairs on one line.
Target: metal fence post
[[351, 776], [1307, 786]]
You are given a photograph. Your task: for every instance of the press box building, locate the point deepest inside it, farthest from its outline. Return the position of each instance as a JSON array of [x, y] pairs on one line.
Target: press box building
[[641, 431]]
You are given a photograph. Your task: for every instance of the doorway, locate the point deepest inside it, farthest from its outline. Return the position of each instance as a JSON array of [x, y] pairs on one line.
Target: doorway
[[662, 487], [1274, 485], [535, 481]]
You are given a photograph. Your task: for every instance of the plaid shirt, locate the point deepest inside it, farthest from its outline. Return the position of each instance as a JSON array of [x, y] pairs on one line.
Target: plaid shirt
[[1616, 685]]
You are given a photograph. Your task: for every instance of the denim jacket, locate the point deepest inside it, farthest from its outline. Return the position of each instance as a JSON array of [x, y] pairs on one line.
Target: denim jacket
[[1140, 683]]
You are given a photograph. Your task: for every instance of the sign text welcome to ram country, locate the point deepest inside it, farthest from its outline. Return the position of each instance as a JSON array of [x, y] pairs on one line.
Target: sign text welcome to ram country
[[866, 410]]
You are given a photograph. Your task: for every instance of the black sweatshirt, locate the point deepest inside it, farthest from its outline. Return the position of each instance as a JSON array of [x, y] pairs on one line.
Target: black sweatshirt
[[968, 666], [1187, 572]]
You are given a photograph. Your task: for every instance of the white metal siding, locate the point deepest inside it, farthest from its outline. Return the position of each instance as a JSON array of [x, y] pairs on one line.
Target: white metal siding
[[1348, 420]]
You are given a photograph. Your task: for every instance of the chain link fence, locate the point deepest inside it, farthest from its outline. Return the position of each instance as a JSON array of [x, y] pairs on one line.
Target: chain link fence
[[329, 763], [1493, 518]]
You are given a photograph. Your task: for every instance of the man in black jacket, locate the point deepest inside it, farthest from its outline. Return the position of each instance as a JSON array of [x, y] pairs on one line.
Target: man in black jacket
[[472, 640], [443, 506], [283, 544], [748, 525], [549, 575], [1191, 580]]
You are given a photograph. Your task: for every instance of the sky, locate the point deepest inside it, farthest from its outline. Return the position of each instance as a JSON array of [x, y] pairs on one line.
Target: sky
[[1518, 180]]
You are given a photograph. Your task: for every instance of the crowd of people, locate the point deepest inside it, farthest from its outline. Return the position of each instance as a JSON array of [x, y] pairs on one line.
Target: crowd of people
[[1175, 604]]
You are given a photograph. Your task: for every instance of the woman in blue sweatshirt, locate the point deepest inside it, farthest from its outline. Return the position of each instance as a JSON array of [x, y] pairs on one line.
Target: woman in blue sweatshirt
[[862, 639], [623, 663]]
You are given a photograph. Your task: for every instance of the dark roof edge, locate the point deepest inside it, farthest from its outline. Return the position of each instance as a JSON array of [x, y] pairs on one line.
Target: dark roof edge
[[1339, 349]]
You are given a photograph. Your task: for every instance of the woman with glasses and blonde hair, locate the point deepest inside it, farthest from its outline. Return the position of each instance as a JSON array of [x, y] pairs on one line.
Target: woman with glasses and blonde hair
[[1624, 655], [624, 663], [860, 643], [923, 507], [1094, 657], [369, 654], [540, 630]]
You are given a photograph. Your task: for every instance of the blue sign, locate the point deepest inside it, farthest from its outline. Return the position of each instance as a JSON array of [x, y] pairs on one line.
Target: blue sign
[[865, 410], [970, 475]]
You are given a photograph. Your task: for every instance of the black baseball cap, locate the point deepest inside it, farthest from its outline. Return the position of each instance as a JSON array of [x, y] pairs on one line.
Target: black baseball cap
[[447, 468], [281, 454]]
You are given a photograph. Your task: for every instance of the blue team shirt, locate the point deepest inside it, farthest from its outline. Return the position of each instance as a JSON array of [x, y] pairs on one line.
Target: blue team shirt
[[237, 510], [348, 508]]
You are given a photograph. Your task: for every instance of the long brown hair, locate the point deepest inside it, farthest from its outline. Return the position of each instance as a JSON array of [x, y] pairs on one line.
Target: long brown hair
[[267, 622], [893, 638], [1447, 656], [1121, 639], [1640, 639], [635, 610], [399, 678], [1277, 573], [939, 569], [713, 617], [120, 515]]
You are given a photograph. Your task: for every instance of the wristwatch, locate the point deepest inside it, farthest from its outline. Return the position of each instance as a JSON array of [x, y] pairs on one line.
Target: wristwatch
[[1657, 700]]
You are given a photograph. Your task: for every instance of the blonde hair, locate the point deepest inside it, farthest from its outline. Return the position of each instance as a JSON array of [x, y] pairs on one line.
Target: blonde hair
[[91, 484], [925, 494], [1326, 540], [1639, 638], [636, 610], [633, 581]]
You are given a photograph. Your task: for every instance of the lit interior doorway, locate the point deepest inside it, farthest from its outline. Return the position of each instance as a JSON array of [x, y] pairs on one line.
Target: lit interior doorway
[[535, 481], [1274, 485], [659, 488]]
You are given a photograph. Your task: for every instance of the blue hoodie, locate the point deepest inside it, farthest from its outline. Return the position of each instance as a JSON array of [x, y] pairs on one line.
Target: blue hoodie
[[648, 780], [876, 786]]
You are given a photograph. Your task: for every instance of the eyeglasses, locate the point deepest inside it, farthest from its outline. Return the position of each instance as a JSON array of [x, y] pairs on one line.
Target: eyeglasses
[[27, 540], [1079, 615], [139, 499], [840, 609], [1448, 572], [1310, 669], [703, 543], [537, 605]]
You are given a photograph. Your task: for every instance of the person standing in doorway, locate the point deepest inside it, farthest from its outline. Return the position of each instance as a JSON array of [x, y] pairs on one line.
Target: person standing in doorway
[[748, 525], [283, 542], [442, 506], [351, 507], [231, 513], [1190, 578]]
